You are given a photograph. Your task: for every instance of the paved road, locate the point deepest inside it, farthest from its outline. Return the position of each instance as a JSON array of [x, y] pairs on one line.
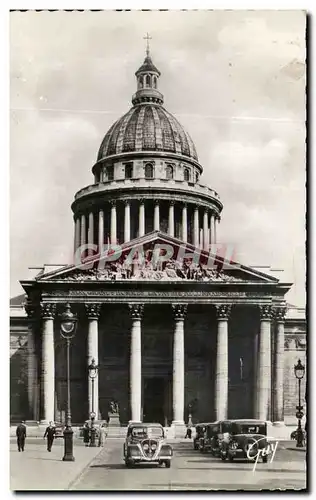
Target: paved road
[[191, 470]]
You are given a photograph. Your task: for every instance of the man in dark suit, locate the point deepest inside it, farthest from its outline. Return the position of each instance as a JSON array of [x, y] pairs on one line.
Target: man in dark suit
[[50, 434], [21, 435]]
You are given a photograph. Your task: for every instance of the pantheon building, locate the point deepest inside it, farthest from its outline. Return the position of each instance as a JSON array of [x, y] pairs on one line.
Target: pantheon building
[[175, 325]]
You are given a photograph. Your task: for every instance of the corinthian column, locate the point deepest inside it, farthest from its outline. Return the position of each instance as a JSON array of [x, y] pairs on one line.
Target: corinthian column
[[205, 230], [48, 362], [141, 225], [179, 312], [101, 231], [91, 233], [221, 389], [127, 222], [136, 311], [31, 361], [278, 388], [113, 223], [171, 219], [184, 223], [93, 313], [263, 398], [196, 228], [83, 230], [77, 234], [156, 216]]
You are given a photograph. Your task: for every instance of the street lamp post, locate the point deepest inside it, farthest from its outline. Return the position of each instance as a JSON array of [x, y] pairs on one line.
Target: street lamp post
[[68, 323], [299, 371], [93, 372]]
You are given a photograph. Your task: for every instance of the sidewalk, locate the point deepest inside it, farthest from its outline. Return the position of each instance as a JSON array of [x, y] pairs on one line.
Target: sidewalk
[[37, 469]]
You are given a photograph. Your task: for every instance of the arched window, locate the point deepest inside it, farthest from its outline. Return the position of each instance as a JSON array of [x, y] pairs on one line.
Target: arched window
[[110, 172], [128, 170], [196, 177], [141, 82], [155, 82], [169, 172], [149, 171], [147, 81], [186, 174]]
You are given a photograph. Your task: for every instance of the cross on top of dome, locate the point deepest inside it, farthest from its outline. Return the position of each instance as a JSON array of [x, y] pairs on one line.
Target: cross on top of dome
[[147, 37]]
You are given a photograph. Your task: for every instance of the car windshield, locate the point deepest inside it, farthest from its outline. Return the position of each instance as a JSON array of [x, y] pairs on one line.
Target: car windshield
[[143, 432]]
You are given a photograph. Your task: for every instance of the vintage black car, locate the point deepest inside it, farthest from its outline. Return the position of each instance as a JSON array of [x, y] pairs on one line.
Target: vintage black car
[[246, 439], [214, 435], [199, 434], [146, 443]]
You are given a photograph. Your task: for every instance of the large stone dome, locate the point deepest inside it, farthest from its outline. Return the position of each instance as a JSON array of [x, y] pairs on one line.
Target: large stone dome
[[147, 127]]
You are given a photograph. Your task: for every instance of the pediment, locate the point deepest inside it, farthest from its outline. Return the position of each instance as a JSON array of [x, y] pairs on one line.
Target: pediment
[[157, 257]]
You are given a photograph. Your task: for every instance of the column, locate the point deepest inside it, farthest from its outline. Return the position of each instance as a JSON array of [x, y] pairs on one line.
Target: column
[[101, 231], [136, 311], [93, 313], [179, 312], [48, 362], [264, 364], [91, 233], [184, 223], [196, 224], [205, 230], [141, 225], [221, 387], [215, 229], [156, 216], [278, 387], [171, 219], [31, 362], [77, 234], [113, 223], [83, 230], [127, 222]]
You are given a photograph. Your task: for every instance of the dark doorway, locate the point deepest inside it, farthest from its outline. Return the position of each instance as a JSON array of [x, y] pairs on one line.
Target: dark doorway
[[154, 398]]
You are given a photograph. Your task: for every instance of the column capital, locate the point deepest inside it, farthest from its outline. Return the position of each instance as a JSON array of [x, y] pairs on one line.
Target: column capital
[[266, 312], [136, 310], [93, 310], [127, 202], [279, 313], [157, 202], [113, 203], [30, 309], [172, 203], [142, 201], [223, 311], [179, 311], [48, 310]]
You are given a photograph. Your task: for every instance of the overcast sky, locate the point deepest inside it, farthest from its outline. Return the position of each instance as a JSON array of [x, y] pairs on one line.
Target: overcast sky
[[234, 79]]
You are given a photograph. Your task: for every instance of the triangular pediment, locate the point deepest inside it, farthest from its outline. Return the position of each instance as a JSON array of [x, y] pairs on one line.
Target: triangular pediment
[[158, 257]]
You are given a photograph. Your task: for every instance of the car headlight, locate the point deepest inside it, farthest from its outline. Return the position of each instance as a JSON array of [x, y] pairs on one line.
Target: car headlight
[[145, 446], [234, 445], [153, 446]]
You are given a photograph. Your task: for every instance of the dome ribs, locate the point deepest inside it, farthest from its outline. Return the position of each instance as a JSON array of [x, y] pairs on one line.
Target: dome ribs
[[130, 132], [104, 144], [114, 136], [183, 143], [158, 131], [149, 141], [139, 130], [120, 138], [167, 134]]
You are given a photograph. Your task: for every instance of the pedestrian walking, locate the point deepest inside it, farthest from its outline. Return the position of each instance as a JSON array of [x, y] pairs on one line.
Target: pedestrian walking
[[86, 434], [102, 434], [188, 433], [21, 435], [50, 435]]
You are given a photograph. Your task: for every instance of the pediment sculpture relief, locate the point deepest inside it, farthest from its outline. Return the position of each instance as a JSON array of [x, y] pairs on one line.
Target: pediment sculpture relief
[[171, 270]]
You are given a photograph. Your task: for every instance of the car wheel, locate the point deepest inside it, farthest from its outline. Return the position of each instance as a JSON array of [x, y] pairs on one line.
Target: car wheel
[[223, 456], [265, 459], [196, 447], [168, 464], [128, 463], [230, 458]]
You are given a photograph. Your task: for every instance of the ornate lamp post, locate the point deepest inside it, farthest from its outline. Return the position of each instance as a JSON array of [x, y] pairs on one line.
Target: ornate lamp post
[[68, 323], [93, 372], [299, 371]]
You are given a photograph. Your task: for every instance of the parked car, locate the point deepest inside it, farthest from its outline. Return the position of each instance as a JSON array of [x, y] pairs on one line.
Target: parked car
[[199, 433], [214, 435], [246, 438], [146, 443]]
